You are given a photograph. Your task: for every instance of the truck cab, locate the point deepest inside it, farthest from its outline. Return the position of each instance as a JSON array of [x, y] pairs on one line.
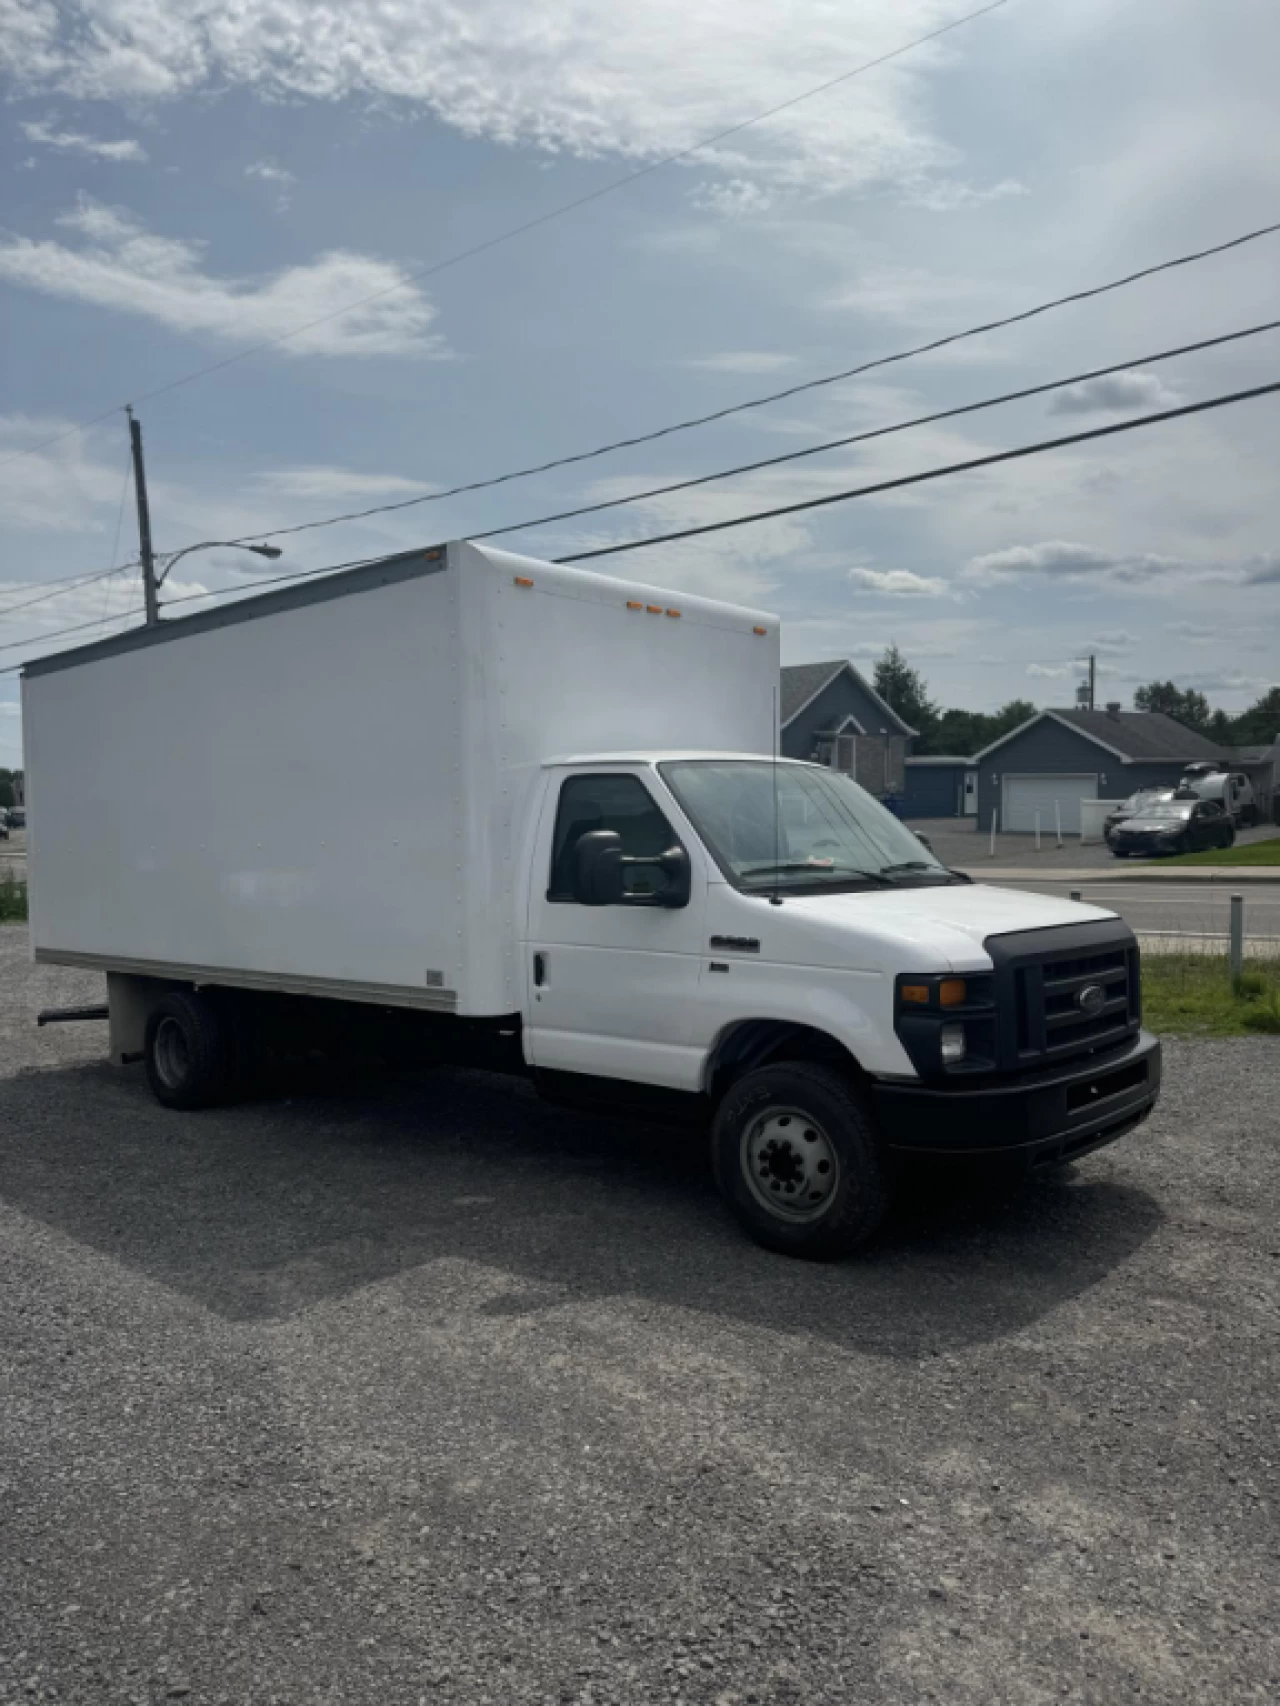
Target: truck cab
[[764, 936]]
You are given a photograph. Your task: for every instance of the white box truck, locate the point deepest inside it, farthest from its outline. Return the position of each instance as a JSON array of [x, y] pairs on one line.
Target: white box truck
[[514, 812]]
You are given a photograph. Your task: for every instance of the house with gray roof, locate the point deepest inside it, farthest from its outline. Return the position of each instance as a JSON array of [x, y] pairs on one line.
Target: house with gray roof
[[830, 714], [1057, 758]]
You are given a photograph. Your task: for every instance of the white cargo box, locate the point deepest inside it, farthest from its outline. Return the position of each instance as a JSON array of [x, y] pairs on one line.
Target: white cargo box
[[324, 789]]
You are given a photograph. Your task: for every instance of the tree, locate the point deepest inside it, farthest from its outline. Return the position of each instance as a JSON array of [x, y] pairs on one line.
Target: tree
[[967, 732], [1260, 724], [903, 690], [1189, 708]]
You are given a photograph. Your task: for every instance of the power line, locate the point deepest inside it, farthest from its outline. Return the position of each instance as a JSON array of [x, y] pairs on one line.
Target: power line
[[57, 633], [528, 225], [71, 583], [930, 473], [184, 598], [742, 520], [770, 397], [879, 432]]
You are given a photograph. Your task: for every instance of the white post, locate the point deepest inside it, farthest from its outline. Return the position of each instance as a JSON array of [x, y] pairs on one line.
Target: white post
[[1237, 936], [995, 813], [1057, 818], [1037, 832]]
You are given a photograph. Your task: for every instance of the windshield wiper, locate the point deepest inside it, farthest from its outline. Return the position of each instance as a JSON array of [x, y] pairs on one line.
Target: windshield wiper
[[908, 867], [814, 870]]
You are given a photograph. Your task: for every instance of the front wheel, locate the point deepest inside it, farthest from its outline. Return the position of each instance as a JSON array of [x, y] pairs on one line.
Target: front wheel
[[1120, 852], [797, 1159]]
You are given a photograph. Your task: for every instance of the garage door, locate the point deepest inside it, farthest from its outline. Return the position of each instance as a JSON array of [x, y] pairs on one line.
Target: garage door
[[1024, 796]]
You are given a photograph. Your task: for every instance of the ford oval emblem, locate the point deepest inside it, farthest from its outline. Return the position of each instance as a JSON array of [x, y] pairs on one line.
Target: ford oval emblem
[[1092, 998]]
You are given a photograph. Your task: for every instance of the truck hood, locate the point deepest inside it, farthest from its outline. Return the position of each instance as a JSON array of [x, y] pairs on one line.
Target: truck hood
[[920, 929]]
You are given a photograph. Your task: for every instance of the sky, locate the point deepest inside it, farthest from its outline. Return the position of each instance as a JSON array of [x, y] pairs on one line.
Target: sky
[[185, 183]]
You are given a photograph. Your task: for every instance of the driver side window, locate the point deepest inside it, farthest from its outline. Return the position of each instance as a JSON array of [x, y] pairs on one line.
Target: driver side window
[[620, 803]]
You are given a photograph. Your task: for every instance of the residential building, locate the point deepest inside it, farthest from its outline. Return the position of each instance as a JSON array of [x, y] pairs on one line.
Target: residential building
[[830, 714], [1057, 758]]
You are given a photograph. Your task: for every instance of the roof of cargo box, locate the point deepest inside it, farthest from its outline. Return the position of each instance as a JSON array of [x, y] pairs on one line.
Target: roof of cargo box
[[319, 586]]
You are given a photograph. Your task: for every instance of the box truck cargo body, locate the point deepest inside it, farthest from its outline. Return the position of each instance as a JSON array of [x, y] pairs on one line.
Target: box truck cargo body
[[325, 789], [468, 806]]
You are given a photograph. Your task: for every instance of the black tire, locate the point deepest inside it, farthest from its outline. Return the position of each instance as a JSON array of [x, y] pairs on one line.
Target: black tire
[[832, 1123], [1120, 852], [188, 1051], [1230, 838]]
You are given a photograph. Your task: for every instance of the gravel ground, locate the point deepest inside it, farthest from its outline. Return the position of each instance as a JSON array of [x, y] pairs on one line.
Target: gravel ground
[[417, 1392], [956, 842]]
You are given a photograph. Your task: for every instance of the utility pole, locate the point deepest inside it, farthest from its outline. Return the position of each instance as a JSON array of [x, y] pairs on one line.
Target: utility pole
[[1093, 678], [150, 598]]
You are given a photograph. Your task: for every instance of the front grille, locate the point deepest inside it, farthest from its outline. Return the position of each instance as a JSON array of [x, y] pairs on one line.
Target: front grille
[[1040, 975]]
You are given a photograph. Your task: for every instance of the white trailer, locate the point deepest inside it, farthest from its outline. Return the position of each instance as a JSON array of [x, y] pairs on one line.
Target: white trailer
[[469, 804]]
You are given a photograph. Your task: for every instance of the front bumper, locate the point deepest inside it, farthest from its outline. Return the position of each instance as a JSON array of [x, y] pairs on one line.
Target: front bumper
[[1039, 1117]]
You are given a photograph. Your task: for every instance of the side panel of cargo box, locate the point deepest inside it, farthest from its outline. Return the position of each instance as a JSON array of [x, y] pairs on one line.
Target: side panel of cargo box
[[269, 798]]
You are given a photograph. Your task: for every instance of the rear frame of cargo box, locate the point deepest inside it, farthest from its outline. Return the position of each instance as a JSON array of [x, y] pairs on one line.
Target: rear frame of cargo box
[[324, 790]]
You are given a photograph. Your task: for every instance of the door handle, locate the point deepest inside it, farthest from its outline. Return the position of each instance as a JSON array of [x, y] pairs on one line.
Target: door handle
[[539, 970]]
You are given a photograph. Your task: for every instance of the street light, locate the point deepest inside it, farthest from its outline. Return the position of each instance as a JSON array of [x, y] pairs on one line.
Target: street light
[[270, 551]]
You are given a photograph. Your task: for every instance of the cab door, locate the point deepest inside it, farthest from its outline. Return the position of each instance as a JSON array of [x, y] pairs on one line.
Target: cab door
[[612, 990]]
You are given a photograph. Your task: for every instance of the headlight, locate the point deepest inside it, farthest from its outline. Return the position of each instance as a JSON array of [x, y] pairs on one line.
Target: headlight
[[953, 1045]]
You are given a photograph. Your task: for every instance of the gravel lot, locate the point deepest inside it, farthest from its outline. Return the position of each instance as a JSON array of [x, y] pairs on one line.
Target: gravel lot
[[419, 1392]]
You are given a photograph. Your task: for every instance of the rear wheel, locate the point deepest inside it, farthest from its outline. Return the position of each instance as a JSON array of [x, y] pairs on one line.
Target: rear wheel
[[188, 1052], [1120, 852], [798, 1161]]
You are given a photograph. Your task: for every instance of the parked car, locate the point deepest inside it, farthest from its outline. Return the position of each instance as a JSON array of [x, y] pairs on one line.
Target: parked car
[[4, 824], [17, 818], [1173, 826], [1132, 807]]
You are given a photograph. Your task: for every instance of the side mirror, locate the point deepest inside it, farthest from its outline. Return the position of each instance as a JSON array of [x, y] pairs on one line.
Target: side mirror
[[675, 867], [597, 868], [599, 873]]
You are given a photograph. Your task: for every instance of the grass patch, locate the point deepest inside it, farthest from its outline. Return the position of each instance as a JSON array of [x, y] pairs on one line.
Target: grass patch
[[1192, 995], [1256, 853], [13, 900]]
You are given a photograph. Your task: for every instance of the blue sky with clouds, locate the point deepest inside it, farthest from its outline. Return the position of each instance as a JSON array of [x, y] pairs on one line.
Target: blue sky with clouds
[[183, 183]]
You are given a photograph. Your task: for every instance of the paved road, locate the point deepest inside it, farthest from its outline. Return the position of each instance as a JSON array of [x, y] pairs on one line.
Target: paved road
[[957, 843], [418, 1392], [1172, 908]]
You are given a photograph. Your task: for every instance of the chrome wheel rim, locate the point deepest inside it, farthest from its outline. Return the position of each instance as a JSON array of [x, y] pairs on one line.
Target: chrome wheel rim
[[790, 1164], [172, 1056]]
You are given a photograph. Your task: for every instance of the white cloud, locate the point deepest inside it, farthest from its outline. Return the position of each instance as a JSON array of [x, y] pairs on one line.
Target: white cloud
[[946, 195], [746, 361], [318, 481], [74, 142], [589, 77], [270, 173], [1050, 671], [1114, 392], [267, 172], [1264, 570], [897, 583], [736, 198], [1111, 644], [122, 266], [1059, 558], [1192, 630]]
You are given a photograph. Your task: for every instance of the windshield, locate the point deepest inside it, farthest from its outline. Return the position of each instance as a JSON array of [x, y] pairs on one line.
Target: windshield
[[827, 831], [1163, 811], [1147, 798]]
